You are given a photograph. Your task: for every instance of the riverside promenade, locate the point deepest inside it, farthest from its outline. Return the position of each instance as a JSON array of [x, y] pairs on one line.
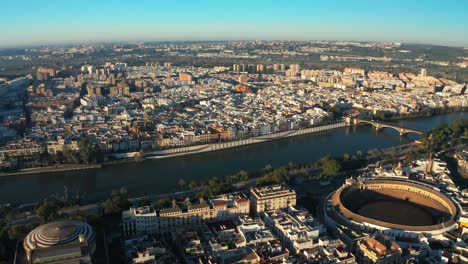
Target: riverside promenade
[[182, 151]]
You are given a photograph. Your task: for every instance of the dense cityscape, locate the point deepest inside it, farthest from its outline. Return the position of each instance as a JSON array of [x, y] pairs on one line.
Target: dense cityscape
[[245, 132], [89, 115], [115, 110]]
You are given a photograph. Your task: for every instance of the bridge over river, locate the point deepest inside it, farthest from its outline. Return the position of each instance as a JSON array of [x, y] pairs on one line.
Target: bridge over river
[[160, 176], [380, 125]]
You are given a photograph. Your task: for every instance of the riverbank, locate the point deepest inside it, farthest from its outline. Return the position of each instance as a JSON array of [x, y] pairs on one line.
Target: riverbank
[[56, 168], [311, 169], [155, 176], [190, 150], [199, 149], [177, 152], [182, 151], [69, 167], [435, 112]]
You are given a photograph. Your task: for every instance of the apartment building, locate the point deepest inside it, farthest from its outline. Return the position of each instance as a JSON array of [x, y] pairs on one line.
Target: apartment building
[[147, 220], [271, 197]]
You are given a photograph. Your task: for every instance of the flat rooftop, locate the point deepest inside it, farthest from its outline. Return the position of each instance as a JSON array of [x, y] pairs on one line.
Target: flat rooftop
[[272, 190]]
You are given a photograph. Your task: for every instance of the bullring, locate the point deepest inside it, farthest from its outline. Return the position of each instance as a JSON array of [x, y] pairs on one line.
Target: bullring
[[392, 205]]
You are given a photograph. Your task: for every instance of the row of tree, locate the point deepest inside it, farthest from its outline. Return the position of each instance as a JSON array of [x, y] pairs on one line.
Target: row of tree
[[328, 166], [117, 202], [86, 154], [446, 136], [387, 115]]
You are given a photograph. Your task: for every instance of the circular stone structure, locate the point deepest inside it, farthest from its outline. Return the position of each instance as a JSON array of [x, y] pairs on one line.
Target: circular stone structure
[[59, 233], [392, 204]]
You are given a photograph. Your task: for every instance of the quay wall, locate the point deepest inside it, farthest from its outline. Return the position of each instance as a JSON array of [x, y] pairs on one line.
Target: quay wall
[[173, 152]]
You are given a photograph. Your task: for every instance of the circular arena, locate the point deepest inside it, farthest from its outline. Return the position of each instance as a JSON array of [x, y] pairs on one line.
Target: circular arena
[[59, 234], [392, 204]]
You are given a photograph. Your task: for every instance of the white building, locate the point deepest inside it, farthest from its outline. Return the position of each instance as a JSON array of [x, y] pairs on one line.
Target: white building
[[271, 197]]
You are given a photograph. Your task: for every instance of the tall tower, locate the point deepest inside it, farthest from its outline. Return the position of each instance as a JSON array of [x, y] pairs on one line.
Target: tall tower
[[423, 72], [429, 164]]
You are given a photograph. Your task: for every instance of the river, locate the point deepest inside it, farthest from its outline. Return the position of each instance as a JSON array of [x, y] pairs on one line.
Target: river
[[161, 175]]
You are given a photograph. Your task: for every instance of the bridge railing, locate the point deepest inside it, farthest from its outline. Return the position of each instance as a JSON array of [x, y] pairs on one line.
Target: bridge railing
[[384, 124]]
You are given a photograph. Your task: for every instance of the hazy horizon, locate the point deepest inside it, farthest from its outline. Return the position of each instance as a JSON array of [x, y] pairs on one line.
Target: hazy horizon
[[33, 23], [148, 41]]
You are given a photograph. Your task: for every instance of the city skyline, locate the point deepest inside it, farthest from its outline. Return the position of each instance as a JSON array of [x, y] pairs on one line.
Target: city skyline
[[27, 23], [231, 132]]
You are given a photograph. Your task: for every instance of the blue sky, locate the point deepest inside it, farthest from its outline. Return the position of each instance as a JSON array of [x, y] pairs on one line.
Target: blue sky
[[26, 22]]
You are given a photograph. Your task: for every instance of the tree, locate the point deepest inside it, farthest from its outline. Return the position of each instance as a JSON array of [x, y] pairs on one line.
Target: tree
[[42, 158], [5, 242], [68, 113], [214, 186], [268, 167], [71, 156], [192, 185], [213, 181], [10, 215], [346, 156], [278, 175], [20, 231], [85, 150], [47, 212], [163, 202], [123, 192], [181, 183], [446, 136], [243, 175], [110, 206], [359, 153], [330, 166], [96, 220], [310, 202], [384, 115], [117, 202]]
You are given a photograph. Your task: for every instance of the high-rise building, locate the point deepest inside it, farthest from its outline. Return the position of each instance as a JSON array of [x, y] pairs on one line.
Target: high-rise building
[[152, 64], [141, 83], [260, 67], [295, 67], [121, 89], [167, 64], [242, 67], [88, 69], [291, 73], [184, 76], [239, 67], [423, 72], [45, 73], [111, 80], [93, 90], [354, 70], [279, 67]]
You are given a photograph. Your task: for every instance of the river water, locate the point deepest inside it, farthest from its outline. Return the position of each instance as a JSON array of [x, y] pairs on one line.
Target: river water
[[161, 175]]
